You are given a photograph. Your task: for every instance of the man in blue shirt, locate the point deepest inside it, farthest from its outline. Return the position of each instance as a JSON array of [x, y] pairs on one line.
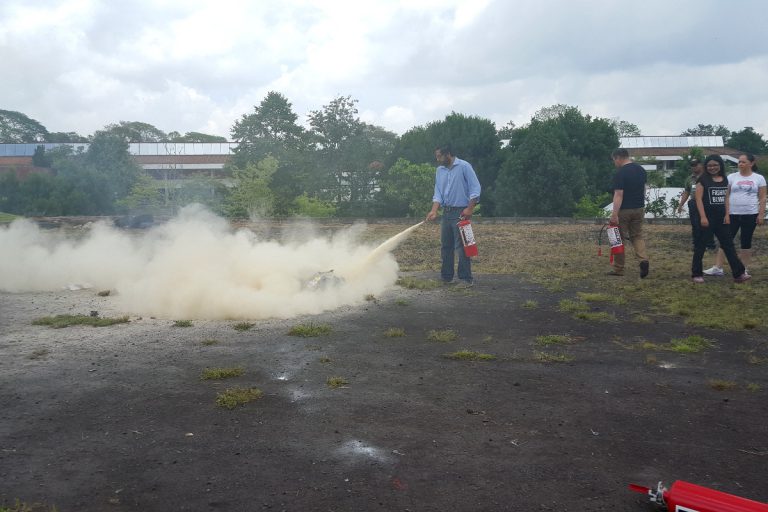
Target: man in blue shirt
[[457, 191]]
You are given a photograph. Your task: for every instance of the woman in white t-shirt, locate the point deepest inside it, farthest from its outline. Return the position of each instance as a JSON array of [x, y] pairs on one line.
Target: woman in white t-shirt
[[746, 196]]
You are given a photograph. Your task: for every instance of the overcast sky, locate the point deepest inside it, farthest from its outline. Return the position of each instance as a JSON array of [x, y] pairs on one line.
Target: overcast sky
[[199, 65]]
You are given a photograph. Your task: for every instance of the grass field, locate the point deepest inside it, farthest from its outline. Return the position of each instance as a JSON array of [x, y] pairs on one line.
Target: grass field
[[564, 258]]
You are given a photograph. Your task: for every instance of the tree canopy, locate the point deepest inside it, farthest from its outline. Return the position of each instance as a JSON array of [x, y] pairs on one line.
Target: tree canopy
[[17, 128]]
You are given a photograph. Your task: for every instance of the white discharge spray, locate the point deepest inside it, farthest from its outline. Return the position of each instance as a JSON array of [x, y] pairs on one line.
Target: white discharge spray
[[197, 267]]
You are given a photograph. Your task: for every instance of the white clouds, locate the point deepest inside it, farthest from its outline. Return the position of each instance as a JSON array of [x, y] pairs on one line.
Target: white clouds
[[199, 65]]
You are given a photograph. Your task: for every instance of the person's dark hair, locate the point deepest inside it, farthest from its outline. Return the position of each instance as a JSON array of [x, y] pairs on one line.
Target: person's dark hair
[[751, 159], [445, 149], [719, 160], [620, 153]]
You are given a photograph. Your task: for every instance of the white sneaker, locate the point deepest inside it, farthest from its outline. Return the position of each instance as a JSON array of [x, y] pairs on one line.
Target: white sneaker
[[714, 271]]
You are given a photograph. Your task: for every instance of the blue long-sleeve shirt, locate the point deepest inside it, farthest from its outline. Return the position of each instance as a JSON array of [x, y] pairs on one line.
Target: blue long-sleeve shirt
[[457, 185]]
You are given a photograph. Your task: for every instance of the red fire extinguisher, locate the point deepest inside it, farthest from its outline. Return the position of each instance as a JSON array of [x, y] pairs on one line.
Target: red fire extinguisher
[[467, 237], [687, 497], [614, 240]]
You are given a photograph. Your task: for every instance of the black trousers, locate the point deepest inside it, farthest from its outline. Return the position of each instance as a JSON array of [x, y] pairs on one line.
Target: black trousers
[[723, 234], [693, 216]]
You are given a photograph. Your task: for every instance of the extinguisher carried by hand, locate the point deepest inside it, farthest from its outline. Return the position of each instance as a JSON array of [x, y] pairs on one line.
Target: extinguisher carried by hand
[[467, 237], [684, 496], [614, 240]]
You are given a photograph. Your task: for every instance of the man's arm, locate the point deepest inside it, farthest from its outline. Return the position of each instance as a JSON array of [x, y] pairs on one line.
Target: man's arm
[[432, 215], [618, 198], [683, 198]]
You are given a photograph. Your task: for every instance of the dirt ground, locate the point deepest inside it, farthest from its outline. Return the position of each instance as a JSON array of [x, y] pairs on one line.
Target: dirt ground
[[118, 418]]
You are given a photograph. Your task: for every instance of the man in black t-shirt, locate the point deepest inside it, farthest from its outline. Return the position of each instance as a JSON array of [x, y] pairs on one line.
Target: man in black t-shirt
[[629, 209]]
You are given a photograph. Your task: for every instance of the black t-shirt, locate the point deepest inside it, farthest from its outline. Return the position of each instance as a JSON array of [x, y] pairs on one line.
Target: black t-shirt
[[713, 196], [631, 179]]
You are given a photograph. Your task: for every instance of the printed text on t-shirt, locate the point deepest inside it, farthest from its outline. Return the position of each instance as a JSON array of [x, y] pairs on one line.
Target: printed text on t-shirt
[[717, 195]]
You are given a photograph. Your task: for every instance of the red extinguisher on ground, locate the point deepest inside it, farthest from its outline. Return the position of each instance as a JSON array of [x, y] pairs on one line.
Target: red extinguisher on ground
[[614, 240], [467, 237], [687, 497]]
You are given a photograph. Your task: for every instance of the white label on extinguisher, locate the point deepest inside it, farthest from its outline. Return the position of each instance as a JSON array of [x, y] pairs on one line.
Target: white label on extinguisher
[[614, 236], [680, 508], [468, 235]]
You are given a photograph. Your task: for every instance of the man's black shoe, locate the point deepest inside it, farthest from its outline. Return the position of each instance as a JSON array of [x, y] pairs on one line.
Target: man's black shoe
[[643, 269]]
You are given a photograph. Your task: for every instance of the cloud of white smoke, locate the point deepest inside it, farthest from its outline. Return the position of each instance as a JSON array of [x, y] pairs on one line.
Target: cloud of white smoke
[[196, 267]]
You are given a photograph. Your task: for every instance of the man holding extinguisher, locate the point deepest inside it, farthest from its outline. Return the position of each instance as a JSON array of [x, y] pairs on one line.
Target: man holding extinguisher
[[457, 191], [629, 209]]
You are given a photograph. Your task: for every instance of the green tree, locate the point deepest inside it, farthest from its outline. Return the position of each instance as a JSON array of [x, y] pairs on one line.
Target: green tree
[[65, 137], [625, 128], [144, 196], [17, 128], [272, 129], [540, 178], [305, 206], [195, 137], [406, 189], [108, 156], [587, 140], [251, 197], [707, 130], [473, 139], [589, 207], [683, 167], [348, 156], [134, 131], [748, 141]]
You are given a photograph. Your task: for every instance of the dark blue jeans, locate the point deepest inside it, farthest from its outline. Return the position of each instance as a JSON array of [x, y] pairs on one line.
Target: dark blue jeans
[[450, 243]]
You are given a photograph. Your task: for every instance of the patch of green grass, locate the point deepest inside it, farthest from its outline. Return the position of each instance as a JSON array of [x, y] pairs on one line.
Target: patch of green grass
[[546, 357], [402, 302], [552, 339], [753, 387], [413, 283], [182, 323], [336, 382], [394, 332], [6, 218], [469, 355], [233, 397], [753, 359], [444, 336], [647, 345], [641, 319], [594, 297], [530, 304], [39, 353], [243, 326], [221, 373], [20, 506], [310, 330], [572, 306], [210, 341], [595, 316], [722, 385], [61, 321], [690, 345]]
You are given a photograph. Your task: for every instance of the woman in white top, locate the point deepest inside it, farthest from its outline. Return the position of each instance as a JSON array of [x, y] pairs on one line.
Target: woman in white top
[[746, 195]]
